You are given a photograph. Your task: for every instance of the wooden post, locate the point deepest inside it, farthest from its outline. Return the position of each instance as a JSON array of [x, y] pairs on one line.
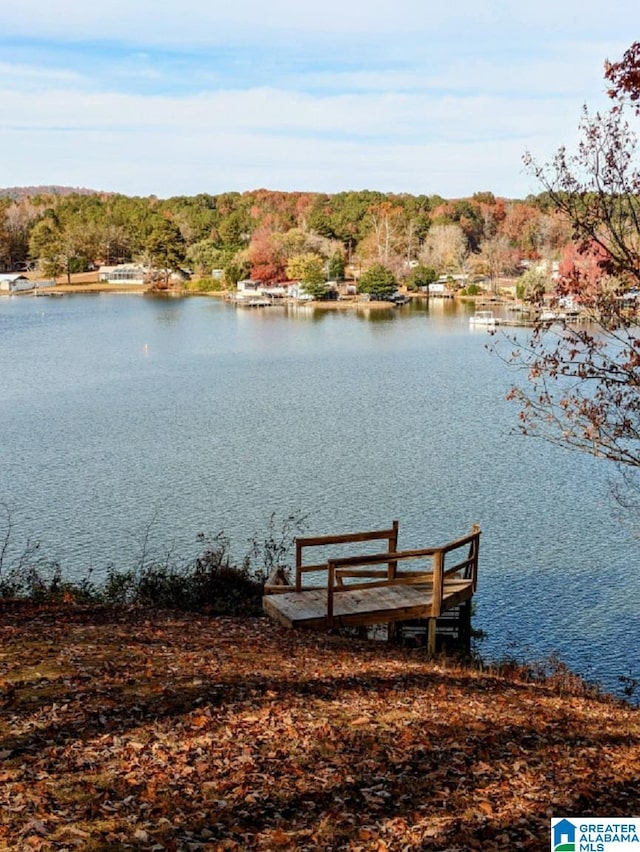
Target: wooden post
[[330, 584], [431, 636], [464, 629], [298, 565], [277, 581], [438, 582], [392, 567], [474, 550], [392, 571]]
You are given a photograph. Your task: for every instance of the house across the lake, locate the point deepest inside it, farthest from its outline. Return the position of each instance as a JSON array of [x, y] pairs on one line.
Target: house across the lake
[[123, 273]]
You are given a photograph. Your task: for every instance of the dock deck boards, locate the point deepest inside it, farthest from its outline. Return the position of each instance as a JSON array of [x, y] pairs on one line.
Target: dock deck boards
[[363, 606]]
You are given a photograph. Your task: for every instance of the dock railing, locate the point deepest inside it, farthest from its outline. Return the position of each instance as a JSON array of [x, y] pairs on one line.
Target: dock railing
[[358, 570], [389, 535]]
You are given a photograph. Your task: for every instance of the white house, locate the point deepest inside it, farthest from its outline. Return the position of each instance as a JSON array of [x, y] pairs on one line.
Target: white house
[[297, 291], [436, 288], [248, 285]]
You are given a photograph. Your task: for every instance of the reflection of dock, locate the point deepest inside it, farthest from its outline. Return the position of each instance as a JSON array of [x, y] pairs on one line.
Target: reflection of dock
[[253, 302], [518, 322], [381, 588]]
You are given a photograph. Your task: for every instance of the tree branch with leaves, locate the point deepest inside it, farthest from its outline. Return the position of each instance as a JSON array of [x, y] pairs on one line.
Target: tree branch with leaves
[[583, 381]]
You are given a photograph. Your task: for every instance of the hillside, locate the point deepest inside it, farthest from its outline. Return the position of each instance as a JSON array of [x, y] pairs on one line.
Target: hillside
[[176, 732], [18, 192]]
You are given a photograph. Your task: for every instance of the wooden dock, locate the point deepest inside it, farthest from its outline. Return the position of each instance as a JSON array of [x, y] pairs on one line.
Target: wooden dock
[[389, 587]]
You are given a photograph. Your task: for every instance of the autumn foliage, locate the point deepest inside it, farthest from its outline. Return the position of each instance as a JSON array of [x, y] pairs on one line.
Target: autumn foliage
[[250, 233], [125, 730]]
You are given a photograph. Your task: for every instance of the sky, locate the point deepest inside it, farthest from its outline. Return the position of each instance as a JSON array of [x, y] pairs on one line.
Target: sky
[[178, 97]]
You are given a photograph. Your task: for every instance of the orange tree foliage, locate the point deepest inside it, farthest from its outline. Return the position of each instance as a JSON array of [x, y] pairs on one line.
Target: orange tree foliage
[[267, 259], [130, 730]]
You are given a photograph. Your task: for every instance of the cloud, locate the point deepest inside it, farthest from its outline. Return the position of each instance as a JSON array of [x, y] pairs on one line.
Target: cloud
[[200, 21], [185, 163], [30, 76], [267, 137], [170, 97]]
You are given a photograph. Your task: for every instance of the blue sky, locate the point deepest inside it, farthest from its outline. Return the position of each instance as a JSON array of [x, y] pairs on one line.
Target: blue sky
[[171, 98]]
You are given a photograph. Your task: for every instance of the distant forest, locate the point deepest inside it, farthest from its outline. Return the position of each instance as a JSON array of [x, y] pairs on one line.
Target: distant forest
[[17, 192], [265, 234]]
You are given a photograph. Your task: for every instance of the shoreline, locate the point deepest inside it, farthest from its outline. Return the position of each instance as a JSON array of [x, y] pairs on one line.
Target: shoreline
[[142, 289], [92, 286], [87, 283]]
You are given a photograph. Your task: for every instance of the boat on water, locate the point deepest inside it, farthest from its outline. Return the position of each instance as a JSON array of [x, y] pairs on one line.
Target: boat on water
[[551, 316], [484, 319]]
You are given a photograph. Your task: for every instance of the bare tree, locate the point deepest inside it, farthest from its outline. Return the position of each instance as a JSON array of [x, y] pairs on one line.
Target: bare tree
[[583, 388], [445, 248]]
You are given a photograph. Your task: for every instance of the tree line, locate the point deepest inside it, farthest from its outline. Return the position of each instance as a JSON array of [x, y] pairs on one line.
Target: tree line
[[274, 236]]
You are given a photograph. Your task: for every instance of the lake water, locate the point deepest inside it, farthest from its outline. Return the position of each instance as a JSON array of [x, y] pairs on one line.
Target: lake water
[[126, 418]]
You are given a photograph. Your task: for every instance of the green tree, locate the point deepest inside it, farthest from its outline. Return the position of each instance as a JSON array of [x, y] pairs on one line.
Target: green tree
[[319, 216], [58, 249], [421, 276], [237, 269], [336, 267], [45, 247], [196, 216], [5, 243], [308, 269], [234, 230], [165, 247], [378, 281], [205, 256]]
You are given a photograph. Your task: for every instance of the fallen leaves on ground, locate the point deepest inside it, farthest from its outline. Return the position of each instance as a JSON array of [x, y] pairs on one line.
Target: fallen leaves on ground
[[130, 730]]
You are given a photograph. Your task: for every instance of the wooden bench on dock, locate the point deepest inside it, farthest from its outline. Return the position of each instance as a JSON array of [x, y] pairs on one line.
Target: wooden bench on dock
[[385, 587]]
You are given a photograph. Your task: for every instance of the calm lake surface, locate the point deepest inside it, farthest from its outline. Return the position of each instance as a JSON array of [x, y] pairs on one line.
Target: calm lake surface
[[125, 417]]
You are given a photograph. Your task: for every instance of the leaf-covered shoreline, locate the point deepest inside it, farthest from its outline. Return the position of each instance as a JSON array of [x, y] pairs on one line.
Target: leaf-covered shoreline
[[132, 729]]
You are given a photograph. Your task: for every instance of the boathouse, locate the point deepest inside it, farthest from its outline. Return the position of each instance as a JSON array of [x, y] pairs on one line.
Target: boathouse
[[15, 282]]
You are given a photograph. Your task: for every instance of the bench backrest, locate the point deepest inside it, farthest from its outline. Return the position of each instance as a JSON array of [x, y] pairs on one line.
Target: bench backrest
[[389, 535]]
